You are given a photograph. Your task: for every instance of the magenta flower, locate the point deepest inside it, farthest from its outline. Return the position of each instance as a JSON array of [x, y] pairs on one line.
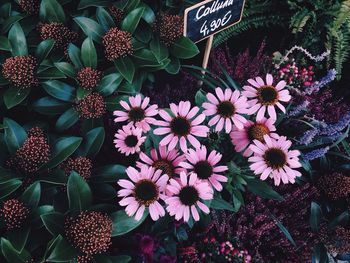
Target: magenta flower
[[266, 96], [226, 108], [186, 196], [181, 125], [274, 159], [241, 139], [165, 160], [129, 139], [144, 190], [138, 112], [205, 166]]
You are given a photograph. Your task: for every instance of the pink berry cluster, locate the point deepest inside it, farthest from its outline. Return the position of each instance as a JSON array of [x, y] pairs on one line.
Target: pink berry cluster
[[297, 76]]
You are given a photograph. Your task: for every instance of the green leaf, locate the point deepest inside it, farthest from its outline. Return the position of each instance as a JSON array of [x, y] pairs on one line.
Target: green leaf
[[50, 106], [315, 216], [14, 135], [19, 238], [51, 73], [53, 222], [221, 204], [104, 18], [184, 48], [284, 230], [56, 176], [74, 54], [52, 11], [87, 3], [9, 187], [79, 193], [43, 49], [62, 251], [13, 96], [109, 173], [31, 195], [93, 142], [66, 68], [67, 120], [145, 58], [81, 93], [159, 49], [18, 40], [6, 25], [90, 28], [10, 253], [341, 219], [123, 224], [200, 98], [126, 67], [63, 148], [320, 254], [109, 84], [148, 14], [262, 189], [103, 191], [131, 21], [5, 44], [112, 259], [59, 90], [88, 53], [174, 66]]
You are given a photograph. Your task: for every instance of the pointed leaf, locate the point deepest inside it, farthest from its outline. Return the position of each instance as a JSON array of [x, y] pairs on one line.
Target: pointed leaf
[[67, 120], [14, 96], [9, 187], [123, 224], [59, 90], [126, 67], [31, 195], [131, 21], [53, 222], [74, 54], [18, 40], [184, 48], [90, 28], [88, 53], [79, 193], [14, 136], [93, 142], [52, 11], [43, 49]]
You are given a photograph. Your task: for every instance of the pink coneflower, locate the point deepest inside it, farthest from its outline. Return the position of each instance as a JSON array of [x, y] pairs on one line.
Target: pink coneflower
[[205, 166], [182, 126], [226, 108], [129, 139], [274, 159], [241, 139], [266, 96], [165, 160], [144, 190], [138, 112], [186, 194]]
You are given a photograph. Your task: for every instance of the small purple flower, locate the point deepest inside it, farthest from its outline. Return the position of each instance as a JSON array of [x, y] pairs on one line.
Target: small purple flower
[[323, 82], [332, 129], [308, 136], [298, 109], [309, 156]]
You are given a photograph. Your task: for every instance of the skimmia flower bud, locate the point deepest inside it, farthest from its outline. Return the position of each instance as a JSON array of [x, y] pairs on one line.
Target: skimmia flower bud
[[20, 71], [14, 213], [88, 78], [81, 165], [58, 32], [117, 43], [91, 106], [30, 6], [170, 28]]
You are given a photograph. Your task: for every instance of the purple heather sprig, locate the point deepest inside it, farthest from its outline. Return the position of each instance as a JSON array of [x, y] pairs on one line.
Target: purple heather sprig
[[331, 75], [332, 129], [308, 136], [309, 156], [298, 109]]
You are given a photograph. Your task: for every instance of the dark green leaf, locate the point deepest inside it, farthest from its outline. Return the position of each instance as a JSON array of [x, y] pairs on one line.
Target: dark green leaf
[[131, 21], [315, 216], [43, 49], [51, 73], [284, 230], [63, 148], [10, 253], [90, 28], [74, 54], [262, 189], [221, 204], [320, 254], [104, 19], [56, 176], [341, 219], [62, 251], [148, 14], [174, 66], [123, 224], [200, 98], [79, 193], [87, 3], [81, 93], [126, 67], [93, 142], [50, 106], [59, 90], [109, 173], [66, 68], [5, 44], [31, 195], [15, 95], [18, 40], [52, 11], [14, 136], [109, 84], [53, 222], [145, 58], [88, 53], [67, 120], [18, 238], [10, 21], [184, 48], [103, 191], [9, 187], [159, 49]]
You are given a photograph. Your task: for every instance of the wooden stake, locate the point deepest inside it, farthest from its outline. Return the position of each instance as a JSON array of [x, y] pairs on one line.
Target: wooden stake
[[206, 56]]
